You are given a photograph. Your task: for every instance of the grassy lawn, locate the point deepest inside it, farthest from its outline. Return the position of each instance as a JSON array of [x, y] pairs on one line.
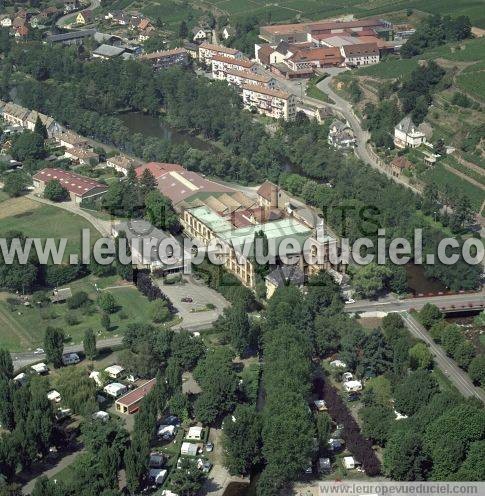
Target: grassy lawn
[[22, 328], [313, 92], [389, 69], [3, 196], [473, 83], [41, 221], [464, 51]]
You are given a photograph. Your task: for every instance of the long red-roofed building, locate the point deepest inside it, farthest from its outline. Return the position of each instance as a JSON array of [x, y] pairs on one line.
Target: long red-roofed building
[[130, 402], [79, 187]]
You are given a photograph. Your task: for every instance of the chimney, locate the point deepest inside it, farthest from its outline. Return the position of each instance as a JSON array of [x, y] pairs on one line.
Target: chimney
[[274, 196]]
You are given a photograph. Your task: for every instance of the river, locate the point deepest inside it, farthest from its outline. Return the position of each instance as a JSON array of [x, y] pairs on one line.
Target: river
[[419, 283], [138, 122]]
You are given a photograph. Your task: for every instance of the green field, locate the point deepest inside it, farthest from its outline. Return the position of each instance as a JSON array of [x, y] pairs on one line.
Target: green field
[[389, 69], [445, 179], [41, 221], [472, 80], [22, 328], [466, 51], [290, 10]]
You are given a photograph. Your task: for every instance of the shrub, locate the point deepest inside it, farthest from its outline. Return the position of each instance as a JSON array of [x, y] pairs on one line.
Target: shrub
[[77, 300]]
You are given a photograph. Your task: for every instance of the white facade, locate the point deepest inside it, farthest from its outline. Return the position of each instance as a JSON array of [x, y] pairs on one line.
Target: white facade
[[273, 103], [208, 50], [407, 134]]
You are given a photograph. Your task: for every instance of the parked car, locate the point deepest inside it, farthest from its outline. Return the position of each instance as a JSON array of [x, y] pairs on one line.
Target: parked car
[[349, 301], [38, 351], [186, 299], [209, 447]]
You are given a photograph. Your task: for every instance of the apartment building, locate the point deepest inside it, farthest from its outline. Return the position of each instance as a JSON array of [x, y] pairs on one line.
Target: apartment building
[[238, 78], [15, 114], [271, 102], [167, 58], [208, 50], [221, 64]]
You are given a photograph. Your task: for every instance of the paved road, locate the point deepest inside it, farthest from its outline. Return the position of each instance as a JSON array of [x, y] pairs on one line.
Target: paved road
[[395, 305], [451, 370], [60, 23]]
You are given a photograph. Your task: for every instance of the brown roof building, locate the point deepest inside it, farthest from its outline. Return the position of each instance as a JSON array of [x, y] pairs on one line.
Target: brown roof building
[[315, 57], [400, 164], [79, 187], [130, 402]]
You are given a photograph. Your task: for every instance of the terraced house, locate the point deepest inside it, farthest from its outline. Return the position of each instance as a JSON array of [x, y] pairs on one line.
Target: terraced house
[[208, 50]]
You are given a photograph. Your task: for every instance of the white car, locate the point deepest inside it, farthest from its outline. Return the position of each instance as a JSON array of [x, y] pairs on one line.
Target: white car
[[350, 301], [38, 351]]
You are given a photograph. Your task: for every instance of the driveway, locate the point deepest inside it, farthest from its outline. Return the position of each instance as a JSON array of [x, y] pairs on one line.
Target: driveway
[[194, 316]]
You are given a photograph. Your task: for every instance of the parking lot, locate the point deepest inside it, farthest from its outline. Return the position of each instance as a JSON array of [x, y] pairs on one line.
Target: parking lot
[[194, 314]]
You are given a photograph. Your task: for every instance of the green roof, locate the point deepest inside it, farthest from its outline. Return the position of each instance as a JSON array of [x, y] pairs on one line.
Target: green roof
[[211, 219]]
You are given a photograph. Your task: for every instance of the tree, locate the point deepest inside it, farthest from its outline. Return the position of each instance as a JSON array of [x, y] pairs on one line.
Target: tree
[[242, 440], [464, 353], [380, 387], [160, 212], [44, 487], [420, 356], [404, 459], [414, 392], [107, 302], [147, 183], [476, 370], [15, 183], [473, 468], [6, 364], [371, 279], [28, 146], [159, 311], [429, 315], [183, 30], [78, 391], [451, 338], [236, 326], [377, 423], [54, 345], [324, 428], [40, 128], [77, 300], [188, 480], [89, 344], [215, 375], [463, 213], [106, 321], [55, 191]]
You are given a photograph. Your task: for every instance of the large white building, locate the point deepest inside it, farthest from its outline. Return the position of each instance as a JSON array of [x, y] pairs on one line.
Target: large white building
[[238, 78], [273, 103], [407, 134], [209, 50], [221, 64], [362, 54]]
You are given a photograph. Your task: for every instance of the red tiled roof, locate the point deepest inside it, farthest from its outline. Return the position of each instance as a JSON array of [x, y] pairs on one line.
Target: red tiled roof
[[261, 78], [218, 48], [264, 52], [362, 49], [137, 394], [266, 91], [324, 54], [402, 163], [144, 24], [246, 63], [74, 183], [158, 168], [163, 53], [265, 190]]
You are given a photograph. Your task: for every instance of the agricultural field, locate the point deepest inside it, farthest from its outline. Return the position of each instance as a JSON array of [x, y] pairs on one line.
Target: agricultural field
[[22, 327], [473, 82], [464, 51], [391, 68]]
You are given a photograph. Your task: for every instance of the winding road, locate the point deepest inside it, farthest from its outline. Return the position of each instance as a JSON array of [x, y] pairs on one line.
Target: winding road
[[61, 22]]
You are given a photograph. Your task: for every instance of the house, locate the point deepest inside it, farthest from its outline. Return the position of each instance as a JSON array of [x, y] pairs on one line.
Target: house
[[82, 156], [114, 371], [84, 17], [348, 462], [157, 475], [195, 433], [22, 32], [122, 163], [79, 187], [145, 26], [352, 386], [167, 58], [340, 135], [70, 5], [107, 52], [192, 49], [40, 368], [283, 276], [100, 415], [115, 389], [130, 402], [199, 34], [228, 32], [70, 358], [5, 21], [399, 165], [314, 57], [323, 113], [15, 114], [189, 449], [209, 50], [271, 102], [50, 124], [361, 54], [407, 134], [19, 22], [60, 295], [69, 139], [156, 460], [54, 396]]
